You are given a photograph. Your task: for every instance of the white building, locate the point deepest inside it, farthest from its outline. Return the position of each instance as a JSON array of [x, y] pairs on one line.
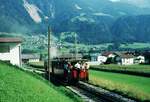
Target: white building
[[105, 56], [10, 50], [101, 59], [97, 59], [140, 59], [125, 59], [94, 59]]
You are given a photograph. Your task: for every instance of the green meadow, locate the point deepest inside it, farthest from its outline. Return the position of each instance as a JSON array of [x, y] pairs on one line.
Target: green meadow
[[128, 85], [19, 86], [134, 68], [136, 45]]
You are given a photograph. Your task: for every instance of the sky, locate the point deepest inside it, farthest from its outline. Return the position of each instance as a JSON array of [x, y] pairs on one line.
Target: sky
[[139, 3]]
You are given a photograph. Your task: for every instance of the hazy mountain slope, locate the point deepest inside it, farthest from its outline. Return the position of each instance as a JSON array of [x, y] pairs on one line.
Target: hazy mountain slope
[[132, 28], [92, 20]]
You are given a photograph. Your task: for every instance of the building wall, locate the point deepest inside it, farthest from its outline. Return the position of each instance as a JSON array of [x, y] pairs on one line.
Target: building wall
[[13, 55], [141, 59], [101, 59], [127, 61]]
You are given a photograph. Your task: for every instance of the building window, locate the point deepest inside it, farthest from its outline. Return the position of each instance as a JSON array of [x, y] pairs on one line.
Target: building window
[[4, 49]]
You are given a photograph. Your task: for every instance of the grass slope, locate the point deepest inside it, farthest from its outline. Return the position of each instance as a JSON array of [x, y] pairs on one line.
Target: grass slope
[[20, 86], [132, 86]]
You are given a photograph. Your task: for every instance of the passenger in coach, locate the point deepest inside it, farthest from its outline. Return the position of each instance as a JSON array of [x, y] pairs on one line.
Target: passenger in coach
[[69, 68], [87, 70], [65, 70], [78, 67]]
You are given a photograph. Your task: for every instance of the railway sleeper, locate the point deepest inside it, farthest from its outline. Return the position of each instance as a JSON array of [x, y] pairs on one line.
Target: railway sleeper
[[105, 94]]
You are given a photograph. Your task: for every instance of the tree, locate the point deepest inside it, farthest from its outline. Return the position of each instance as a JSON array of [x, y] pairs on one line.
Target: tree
[[114, 46]]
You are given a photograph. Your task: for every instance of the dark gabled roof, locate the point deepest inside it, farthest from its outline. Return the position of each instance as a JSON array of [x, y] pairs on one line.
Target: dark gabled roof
[[127, 56], [10, 40], [107, 53], [30, 56]]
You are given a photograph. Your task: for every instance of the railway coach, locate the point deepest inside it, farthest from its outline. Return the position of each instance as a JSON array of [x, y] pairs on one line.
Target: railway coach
[[68, 70]]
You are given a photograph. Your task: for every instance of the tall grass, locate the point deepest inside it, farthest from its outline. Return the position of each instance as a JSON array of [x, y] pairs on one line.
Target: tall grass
[[131, 86], [136, 68]]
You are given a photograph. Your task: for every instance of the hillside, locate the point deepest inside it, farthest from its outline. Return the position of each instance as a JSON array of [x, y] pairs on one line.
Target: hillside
[[132, 29], [19, 86], [94, 21]]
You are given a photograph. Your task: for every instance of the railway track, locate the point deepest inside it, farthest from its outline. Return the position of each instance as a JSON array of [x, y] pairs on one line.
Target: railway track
[[90, 93], [85, 95]]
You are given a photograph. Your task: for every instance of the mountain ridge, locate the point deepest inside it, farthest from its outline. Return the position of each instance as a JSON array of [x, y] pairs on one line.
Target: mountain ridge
[[94, 21]]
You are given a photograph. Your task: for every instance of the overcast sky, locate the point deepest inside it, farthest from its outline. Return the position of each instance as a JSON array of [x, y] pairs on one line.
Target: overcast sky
[[139, 3]]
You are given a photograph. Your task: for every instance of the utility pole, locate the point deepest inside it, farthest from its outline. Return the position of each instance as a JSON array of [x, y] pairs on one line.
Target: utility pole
[[76, 49], [49, 53]]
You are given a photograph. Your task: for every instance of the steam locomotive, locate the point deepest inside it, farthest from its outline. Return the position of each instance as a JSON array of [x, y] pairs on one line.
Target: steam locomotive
[[68, 69]]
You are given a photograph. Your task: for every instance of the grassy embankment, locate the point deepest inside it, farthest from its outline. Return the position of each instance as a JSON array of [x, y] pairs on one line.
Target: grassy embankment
[[131, 86], [134, 68], [19, 86]]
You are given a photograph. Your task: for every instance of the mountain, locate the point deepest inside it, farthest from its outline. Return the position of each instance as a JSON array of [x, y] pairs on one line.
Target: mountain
[[132, 29], [94, 21]]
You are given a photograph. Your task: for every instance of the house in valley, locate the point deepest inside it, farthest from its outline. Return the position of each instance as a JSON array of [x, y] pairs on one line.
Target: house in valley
[[10, 50], [95, 59], [109, 57], [101, 59], [139, 59], [125, 59], [108, 54]]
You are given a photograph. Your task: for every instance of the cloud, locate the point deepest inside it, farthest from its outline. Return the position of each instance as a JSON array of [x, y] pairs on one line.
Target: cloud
[[114, 0]]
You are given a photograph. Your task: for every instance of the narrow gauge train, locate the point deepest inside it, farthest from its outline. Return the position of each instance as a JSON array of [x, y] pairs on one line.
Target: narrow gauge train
[[69, 70]]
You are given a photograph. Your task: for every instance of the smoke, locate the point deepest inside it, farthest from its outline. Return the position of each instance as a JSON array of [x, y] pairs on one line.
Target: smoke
[[54, 52]]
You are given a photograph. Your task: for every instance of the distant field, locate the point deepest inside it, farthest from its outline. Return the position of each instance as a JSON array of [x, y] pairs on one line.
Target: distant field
[[138, 68], [20, 86], [131, 86], [136, 45], [85, 47]]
